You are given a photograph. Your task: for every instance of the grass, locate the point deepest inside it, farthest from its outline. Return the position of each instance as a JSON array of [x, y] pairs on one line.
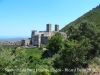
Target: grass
[[34, 52], [34, 56]]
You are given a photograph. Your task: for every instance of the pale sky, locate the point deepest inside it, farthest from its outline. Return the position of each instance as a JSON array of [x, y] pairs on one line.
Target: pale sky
[[19, 17]]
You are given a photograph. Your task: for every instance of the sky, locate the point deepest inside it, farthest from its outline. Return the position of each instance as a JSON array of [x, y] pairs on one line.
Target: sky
[[19, 17]]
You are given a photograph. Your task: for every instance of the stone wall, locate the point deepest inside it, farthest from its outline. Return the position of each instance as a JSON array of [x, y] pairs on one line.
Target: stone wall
[[38, 39], [26, 42]]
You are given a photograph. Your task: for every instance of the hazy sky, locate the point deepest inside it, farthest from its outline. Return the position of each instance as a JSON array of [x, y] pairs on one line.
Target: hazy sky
[[19, 17]]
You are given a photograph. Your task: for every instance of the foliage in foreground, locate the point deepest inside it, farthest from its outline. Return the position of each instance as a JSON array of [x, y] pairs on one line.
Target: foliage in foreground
[[55, 43], [16, 61], [79, 49]]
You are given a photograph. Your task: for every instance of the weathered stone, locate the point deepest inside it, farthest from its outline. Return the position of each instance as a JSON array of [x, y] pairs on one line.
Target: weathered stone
[[42, 37]]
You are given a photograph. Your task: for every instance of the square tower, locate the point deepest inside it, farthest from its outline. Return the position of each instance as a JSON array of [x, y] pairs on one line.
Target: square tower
[[56, 27], [48, 27], [34, 32]]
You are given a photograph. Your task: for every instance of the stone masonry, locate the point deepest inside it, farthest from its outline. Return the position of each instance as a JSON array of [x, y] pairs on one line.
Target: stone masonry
[[42, 37]]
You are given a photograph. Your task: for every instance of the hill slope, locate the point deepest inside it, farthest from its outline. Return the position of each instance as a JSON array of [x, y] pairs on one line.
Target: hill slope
[[91, 16]]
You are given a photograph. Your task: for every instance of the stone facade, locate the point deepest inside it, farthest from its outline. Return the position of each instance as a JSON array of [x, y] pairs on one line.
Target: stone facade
[[49, 27], [26, 42], [36, 39], [57, 28], [43, 36]]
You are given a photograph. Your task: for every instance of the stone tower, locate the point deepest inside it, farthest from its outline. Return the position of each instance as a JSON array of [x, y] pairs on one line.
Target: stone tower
[[56, 27], [34, 32], [48, 28]]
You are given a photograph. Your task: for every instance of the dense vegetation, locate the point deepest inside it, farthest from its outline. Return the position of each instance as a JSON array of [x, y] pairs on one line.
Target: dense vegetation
[[91, 16], [81, 48], [55, 43], [24, 61], [77, 51]]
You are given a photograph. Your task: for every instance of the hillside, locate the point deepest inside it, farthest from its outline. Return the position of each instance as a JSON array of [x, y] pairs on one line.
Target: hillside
[[91, 16]]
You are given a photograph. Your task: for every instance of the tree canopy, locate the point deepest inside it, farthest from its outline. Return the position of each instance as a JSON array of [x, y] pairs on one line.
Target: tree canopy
[[55, 43]]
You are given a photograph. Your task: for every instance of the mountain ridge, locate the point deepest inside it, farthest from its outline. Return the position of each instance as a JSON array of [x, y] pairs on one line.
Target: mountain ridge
[[90, 16]]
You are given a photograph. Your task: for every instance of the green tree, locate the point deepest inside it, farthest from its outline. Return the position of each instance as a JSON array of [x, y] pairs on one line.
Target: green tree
[[12, 62], [74, 55], [82, 45], [55, 43], [90, 31]]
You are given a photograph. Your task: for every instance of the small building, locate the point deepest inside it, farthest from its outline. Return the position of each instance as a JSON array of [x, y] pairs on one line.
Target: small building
[[26, 42]]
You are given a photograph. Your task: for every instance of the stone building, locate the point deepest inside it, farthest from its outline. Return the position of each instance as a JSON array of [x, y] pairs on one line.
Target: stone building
[[26, 42], [43, 36]]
